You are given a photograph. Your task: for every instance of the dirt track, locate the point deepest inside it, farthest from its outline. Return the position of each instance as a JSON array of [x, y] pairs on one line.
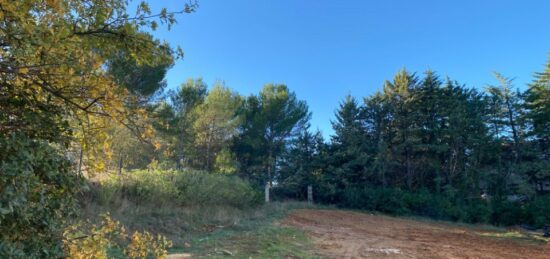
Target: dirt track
[[344, 234]]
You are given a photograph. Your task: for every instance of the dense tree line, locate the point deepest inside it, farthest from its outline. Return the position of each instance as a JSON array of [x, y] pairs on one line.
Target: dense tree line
[[481, 153], [429, 146], [483, 150]]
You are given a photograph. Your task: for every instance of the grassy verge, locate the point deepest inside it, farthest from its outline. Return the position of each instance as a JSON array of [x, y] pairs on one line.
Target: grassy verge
[[518, 236], [258, 235]]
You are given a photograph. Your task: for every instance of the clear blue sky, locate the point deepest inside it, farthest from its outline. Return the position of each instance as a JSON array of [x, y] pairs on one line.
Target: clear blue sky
[[324, 50]]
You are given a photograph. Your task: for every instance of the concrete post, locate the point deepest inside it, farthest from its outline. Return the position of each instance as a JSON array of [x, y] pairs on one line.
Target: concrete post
[[309, 194], [267, 192]]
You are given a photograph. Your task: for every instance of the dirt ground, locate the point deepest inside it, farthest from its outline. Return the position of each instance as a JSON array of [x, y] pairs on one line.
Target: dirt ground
[[345, 234]]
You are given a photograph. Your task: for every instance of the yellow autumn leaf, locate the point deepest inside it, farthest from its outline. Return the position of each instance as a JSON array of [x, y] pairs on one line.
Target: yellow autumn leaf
[[157, 145]]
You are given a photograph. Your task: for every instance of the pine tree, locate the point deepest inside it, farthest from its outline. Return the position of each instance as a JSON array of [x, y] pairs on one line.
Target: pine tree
[[300, 163], [399, 94], [348, 156], [271, 119], [508, 129], [537, 102]]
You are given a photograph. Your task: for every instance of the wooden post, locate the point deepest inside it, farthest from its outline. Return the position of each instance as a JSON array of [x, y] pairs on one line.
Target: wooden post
[[309, 194], [267, 192]]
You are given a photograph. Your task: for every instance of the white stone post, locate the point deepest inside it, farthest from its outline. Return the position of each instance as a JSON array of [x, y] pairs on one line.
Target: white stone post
[[267, 192], [309, 194]]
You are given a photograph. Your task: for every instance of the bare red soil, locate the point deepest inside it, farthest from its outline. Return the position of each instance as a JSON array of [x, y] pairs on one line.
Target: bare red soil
[[345, 234]]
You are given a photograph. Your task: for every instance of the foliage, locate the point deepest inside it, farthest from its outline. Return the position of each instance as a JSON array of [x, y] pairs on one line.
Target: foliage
[[421, 203], [105, 240], [37, 195], [432, 148], [216, 124], [301, 165], [537, 102], [86, 77], [55, 83], [58, 93], [145, 245], [270, 120], [181, 188]]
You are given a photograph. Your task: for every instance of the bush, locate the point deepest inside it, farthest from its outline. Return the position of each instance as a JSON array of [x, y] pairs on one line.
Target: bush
[[506, 213], [37, 191], [385, 200], [184, 188], [420, 203], [537, 212], [109, 239], [200, 188], [478, 211]]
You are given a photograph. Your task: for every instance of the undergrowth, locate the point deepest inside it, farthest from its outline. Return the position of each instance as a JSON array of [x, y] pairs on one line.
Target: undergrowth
[[200, 213]]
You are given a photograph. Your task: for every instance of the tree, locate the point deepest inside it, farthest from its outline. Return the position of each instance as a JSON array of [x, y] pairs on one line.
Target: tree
[[52, 64], [348, 157], [376, 122], [55, 90], [399, 94], [216, 123], [537, 103], [507, 109], [301, 164], [508, 130], [144, 81], [176, 120], [270, 120]]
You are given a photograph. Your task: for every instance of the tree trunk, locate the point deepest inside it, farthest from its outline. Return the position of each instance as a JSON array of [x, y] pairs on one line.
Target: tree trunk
[[269, 168], [80, 162], [120, 162]]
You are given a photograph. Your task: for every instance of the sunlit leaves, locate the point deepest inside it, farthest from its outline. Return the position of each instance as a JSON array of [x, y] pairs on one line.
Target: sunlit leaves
[[86, 240], [53, 68]]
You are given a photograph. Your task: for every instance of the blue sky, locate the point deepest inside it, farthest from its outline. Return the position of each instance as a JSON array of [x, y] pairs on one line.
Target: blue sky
[[324, 50]]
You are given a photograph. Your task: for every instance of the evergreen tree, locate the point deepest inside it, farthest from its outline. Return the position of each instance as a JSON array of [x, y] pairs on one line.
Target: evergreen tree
[[179, 128], [348, 159], [301, 163], [376, 121], [537, 102], [399, 94], [271, 119], [508, 130], [215, 125]]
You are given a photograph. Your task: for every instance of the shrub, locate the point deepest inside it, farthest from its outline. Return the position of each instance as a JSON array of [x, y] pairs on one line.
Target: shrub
[[424, 203], [420, 203], [37, 191], [537, 212], [506, 213], [109, 239], [183, 188], [380, 199], [478, 211], [200, 188]]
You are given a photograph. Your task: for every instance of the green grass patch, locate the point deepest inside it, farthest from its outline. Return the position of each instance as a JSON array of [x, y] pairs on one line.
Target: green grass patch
[[257, 234], [269, 241], [528, 237]]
